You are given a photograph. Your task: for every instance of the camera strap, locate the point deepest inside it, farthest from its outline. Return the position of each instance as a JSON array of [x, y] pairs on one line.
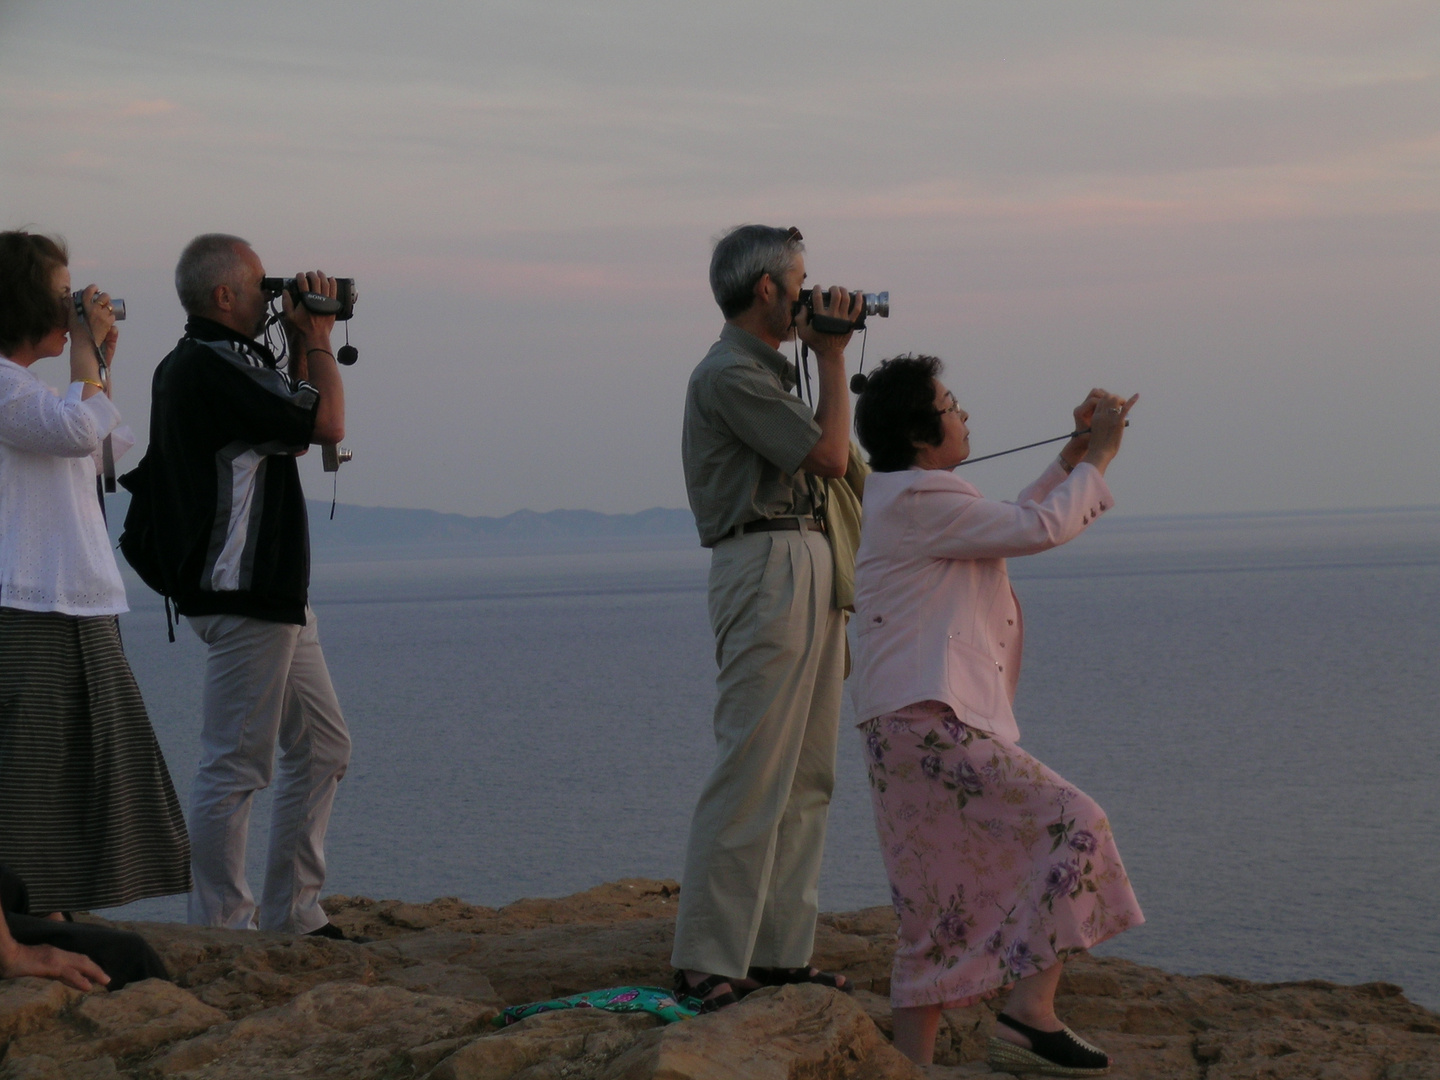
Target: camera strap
[[828, 324], [106, 480], [1029, 446]]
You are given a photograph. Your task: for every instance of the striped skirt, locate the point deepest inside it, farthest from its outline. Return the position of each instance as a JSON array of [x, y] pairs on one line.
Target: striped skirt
[[998, 867], [88, 816]]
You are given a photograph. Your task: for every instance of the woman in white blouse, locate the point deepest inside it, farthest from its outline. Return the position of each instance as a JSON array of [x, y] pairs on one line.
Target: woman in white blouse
[[88, 816]]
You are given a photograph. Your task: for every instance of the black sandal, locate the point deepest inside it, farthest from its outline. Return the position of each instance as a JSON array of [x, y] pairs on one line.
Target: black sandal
[[1053, 1053], [682, 989], [790, 976]]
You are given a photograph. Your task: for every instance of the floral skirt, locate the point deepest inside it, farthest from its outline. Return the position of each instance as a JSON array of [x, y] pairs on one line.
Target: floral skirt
[[998, 868]]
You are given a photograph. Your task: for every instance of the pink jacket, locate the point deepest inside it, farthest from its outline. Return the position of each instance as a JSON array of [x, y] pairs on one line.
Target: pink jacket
[[935, 617]]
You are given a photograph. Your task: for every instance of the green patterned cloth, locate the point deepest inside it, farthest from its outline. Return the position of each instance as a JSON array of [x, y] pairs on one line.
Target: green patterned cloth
[[649, 999]]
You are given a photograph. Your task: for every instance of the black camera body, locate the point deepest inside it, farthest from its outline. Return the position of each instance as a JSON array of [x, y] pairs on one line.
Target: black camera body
[[875, 304], [342, 307]]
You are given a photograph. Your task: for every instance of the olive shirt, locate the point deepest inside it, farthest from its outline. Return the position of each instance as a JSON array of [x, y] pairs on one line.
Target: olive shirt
[[745, 437]]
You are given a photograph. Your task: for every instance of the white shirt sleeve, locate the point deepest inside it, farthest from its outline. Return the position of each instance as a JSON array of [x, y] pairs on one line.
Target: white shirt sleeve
[[122, 441], [34, 419]]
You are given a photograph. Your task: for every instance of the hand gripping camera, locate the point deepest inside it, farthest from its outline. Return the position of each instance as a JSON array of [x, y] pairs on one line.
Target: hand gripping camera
[[875, 304], [117, 306], [107, 450], [343, 308]]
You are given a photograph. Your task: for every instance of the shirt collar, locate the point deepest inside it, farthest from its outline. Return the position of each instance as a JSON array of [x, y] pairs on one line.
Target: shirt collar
[[203, 329], [772, 360]]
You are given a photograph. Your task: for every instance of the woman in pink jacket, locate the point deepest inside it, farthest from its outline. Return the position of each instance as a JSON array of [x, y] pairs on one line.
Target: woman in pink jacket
[[998, 868]]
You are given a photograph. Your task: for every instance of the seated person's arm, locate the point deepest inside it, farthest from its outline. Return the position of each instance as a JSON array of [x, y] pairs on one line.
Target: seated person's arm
[[47, 962]]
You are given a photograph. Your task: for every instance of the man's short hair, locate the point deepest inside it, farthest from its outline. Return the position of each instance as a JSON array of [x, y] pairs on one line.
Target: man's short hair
[[209, 260], [29, 306], [743, 256], [896, 410]]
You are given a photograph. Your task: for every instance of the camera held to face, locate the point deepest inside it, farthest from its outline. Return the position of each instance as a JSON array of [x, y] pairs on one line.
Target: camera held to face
[[342, 307], [875, 304], [117, 307]]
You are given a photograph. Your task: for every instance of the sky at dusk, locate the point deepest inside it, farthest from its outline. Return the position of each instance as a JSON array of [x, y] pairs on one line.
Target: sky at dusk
[[1231, 208]]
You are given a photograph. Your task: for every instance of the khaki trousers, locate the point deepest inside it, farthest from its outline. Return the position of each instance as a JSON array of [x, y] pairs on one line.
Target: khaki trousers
[[750, 893], [266, 687]]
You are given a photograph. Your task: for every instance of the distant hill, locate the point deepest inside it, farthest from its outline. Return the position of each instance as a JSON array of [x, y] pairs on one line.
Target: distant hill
[[363, 526]]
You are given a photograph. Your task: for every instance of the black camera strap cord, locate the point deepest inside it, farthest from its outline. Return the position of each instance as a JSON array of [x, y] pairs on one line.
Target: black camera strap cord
[[105, 482], [803, 363], [1027, 446]]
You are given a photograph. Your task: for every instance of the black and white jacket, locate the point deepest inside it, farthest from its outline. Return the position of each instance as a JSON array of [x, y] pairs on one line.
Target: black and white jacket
[[224, 490]]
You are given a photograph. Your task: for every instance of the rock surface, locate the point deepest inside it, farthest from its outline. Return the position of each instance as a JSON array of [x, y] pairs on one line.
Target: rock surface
[[415, 1004]]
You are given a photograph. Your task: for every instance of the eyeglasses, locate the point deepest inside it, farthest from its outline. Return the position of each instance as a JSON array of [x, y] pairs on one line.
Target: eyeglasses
[[793, 236]]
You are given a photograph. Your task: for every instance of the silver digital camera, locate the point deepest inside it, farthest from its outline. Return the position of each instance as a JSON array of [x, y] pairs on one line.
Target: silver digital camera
[[117, 307]]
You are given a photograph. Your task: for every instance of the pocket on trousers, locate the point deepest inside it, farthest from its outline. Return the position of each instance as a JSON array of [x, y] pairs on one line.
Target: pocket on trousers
[[737, 581]]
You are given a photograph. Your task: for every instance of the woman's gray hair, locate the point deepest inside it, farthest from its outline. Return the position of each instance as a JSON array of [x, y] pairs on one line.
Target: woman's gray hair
[[209, 260], [743, 256]]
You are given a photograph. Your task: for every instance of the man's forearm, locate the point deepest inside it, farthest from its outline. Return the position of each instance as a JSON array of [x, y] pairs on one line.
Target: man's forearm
[[319, 369]]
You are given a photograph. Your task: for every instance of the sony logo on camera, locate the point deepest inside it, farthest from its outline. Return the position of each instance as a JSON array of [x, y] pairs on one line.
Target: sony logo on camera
[[342, 307]]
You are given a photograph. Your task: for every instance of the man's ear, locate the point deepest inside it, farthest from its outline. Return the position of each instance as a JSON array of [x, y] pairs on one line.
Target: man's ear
[[222, 297], [766, 290]]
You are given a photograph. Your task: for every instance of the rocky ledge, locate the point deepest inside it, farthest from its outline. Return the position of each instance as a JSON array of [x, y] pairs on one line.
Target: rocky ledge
[[416, 1003]]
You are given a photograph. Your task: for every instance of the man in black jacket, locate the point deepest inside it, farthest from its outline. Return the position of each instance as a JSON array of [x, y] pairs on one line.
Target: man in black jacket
[[231, 533]]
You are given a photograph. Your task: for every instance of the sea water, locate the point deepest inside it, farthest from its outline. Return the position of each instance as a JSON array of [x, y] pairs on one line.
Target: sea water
[[1251, 698]]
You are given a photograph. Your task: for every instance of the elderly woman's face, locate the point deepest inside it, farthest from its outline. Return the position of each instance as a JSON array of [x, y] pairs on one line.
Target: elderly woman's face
[[955, 442], [53, 343]]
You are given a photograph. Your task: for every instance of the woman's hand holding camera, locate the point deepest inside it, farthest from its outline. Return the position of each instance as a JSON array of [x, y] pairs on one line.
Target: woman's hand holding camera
[[1104, 414], [1074, 451], [95, 327]]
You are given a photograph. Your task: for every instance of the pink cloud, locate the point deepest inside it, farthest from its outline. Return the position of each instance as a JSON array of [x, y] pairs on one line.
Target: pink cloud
[[149, 107]]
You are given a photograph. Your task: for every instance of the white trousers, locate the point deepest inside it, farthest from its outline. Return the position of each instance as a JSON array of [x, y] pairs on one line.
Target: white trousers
[[266, 687], [750, 893]]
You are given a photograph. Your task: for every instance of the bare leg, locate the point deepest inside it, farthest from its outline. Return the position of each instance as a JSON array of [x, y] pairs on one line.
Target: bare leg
[[1032, 1002], [915, 1030]]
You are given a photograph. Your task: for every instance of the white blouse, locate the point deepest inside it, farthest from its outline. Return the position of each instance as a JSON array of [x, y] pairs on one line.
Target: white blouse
[[54, 551]]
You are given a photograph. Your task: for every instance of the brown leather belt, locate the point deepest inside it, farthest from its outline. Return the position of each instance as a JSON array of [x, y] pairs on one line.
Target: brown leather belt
[[780, 524]]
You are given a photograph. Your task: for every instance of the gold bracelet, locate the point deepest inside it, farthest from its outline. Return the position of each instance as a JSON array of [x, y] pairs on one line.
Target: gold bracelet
[[91, 382]]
